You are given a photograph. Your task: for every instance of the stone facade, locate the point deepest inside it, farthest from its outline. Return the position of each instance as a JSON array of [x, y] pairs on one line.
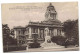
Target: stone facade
[[38, 28]]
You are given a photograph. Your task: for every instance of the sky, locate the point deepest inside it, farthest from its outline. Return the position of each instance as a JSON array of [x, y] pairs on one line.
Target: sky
[[19, 14]]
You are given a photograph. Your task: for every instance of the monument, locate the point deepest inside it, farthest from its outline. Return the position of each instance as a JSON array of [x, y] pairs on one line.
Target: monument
[[48, 43]]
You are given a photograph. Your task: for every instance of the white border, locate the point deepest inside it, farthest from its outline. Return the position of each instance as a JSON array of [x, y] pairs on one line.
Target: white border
[[30, 1]]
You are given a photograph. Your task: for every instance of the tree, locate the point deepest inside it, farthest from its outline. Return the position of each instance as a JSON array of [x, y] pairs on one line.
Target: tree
[[12, 32], [71, 31], [6, 33], [75, 32], [7, 39], [68, 25], [60, 40], [35, 43]]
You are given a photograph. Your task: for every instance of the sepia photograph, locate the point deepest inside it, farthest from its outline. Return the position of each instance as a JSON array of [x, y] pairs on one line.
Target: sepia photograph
[[40, 27]]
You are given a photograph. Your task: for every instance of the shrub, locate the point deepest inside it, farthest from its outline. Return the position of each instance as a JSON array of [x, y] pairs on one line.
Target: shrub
[[34, 45], [70, 41], [60, 40]]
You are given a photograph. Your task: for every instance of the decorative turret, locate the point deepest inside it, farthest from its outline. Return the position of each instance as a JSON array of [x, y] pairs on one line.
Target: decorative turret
[[50, 12]]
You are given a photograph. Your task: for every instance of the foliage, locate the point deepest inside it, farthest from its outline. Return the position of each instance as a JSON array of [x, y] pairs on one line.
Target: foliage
[[7, 39], [12, 32], [35, 43], [71, 30], [60, 40], [69, 41], [68, 25]]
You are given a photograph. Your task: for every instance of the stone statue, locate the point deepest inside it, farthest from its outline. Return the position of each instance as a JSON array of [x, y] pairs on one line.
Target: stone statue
[[46, 32], [47, 36]]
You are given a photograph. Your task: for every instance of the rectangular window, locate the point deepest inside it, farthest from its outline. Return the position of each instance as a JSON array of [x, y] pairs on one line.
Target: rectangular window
[[55, 32], [23, 32], [18, 32], [41, 33], [27, 30], [59, 32], [34, 30], [50, 32]]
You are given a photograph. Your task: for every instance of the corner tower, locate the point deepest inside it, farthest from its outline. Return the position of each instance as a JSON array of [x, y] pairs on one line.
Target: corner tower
[[50, 12]]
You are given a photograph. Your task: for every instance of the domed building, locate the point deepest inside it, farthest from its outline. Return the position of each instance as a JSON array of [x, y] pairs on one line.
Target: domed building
[[37, 29]]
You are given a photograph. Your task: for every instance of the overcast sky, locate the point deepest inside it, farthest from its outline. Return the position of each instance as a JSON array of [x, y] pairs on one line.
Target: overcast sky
[[20, 14]]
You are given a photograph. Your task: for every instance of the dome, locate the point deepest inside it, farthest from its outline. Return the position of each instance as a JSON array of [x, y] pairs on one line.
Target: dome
[[50, 5]]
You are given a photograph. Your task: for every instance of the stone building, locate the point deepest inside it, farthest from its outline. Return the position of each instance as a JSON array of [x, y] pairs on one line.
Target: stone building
[[37, 29]]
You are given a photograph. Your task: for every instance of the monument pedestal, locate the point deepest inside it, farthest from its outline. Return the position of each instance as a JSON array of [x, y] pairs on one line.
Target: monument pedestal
[[48, 44]]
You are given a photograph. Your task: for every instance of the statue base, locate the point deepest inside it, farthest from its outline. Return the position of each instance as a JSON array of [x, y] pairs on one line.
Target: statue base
[[49, 44]]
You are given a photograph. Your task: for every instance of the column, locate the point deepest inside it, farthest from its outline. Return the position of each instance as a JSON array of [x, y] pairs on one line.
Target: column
[[15, 34], [41, 33], [55, 16], [21, 32], [38, 33], [62, 33], [55, 32], [49, 32], [26, 32], [30, 32], [58, 32], [52, 32]]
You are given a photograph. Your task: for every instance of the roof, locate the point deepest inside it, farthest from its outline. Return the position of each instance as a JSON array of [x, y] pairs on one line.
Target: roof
[[18, 27], [52, 21], [50, 5], [49, 23]]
